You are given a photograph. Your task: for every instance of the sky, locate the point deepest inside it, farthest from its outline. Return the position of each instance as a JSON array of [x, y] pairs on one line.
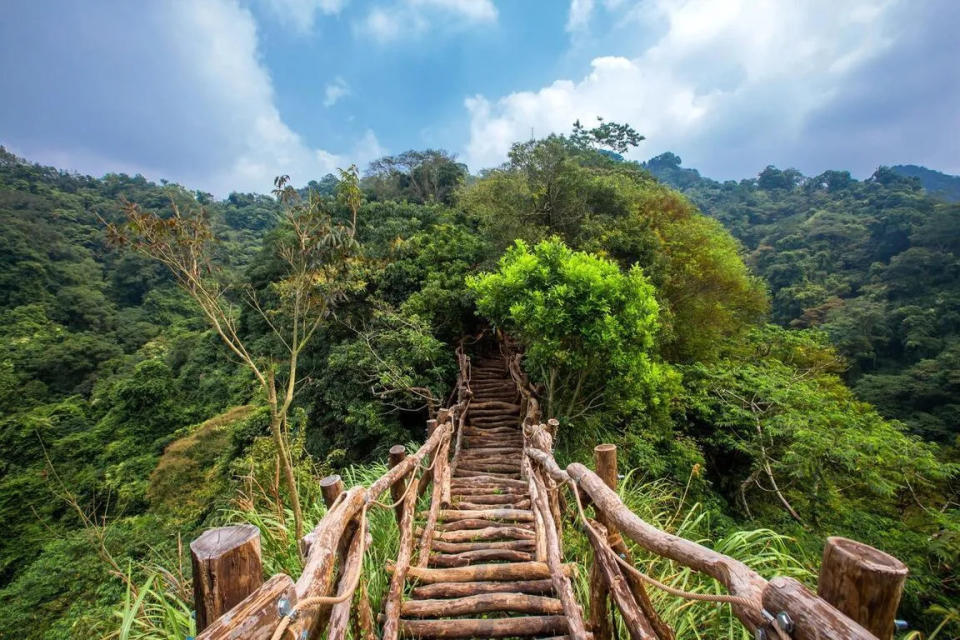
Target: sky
[[223, 95]]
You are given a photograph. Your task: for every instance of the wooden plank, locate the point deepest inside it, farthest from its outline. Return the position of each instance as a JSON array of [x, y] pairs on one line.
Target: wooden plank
[[484, 628], [482, 603]]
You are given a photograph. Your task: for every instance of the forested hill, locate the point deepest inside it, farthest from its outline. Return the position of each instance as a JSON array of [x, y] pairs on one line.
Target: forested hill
[[936, 183], [874, 263], [125, 428]]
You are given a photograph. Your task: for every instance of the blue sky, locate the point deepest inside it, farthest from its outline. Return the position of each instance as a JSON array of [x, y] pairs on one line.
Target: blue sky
[[224, 94]]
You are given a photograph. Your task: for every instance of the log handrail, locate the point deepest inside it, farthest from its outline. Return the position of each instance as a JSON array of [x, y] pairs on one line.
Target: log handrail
[[322, 598], [338, 542], [807, 616]]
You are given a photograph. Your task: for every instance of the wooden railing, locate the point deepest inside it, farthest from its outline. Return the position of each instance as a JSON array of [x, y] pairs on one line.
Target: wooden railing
[[232, 603], [862, 609], [859, 590]]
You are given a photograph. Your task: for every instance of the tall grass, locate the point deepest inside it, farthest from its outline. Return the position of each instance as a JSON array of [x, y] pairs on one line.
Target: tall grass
[[156, 609], [659, 503]]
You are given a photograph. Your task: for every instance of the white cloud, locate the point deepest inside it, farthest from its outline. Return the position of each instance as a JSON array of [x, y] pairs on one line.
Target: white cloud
[[334, 91], [727, 76], [410, 19], [197, 105], [579, 17], [301, 14]]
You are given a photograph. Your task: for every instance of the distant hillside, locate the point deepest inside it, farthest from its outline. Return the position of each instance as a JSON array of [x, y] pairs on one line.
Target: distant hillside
[[936, 183], [874, 263]]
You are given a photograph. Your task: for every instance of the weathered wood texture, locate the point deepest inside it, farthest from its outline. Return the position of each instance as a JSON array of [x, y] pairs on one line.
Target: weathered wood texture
[[255, 617], [397, 453], [318, 571], [340, 614], [481, 572], [637, 624], [737, 577], [561, 583], [484, 628], [862, 582], [391, 611], [331, 487], [813, 618], [226, 569], [605, 461], [426, 538]]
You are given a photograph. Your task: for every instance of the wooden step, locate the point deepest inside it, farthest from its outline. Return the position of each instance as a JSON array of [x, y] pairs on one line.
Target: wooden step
[[489, 467], [469, 473], [441, 546], [491, 450], [477, 506], [494, 404], [525, 626], [479, 523], [505, 571], [477, 556], [491, 481], [503, 515], [486, 533], [463, 589], [482, 603], [489, 498]]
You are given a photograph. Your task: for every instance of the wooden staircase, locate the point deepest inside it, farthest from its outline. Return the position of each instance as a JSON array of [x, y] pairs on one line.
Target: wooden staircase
[[483, 560], [489, 560]]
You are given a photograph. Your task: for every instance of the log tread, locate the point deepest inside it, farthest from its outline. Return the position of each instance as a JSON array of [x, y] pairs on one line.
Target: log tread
[[481, 580]]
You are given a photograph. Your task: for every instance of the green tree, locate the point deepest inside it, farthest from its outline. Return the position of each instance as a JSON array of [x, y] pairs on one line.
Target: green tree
[[587, 328], [314, 253]]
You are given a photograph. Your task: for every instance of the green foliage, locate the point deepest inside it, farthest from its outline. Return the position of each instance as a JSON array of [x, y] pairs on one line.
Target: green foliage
[[594, 203], [874, 263], [784, 439], [416, 176], [587, 328], [114, 394], [617, 137]]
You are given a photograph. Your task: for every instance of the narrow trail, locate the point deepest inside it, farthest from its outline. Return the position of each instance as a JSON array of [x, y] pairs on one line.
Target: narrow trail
[[482, 578]]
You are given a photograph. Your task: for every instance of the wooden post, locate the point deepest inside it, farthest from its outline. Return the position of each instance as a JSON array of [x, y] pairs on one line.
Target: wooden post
[[813, 617], [226, 569], [552, 425], [432, 425], [862, 582], [605, 461], [398, 453], [331, 487]]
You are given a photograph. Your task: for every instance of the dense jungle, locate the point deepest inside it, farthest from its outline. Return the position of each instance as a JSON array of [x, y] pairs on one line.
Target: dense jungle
[[777, 358]]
